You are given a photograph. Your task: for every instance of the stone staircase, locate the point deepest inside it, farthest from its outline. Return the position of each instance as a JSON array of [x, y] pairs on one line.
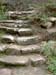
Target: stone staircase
[[20, 48]]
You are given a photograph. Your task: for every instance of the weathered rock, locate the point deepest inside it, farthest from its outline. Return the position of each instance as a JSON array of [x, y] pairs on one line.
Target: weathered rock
[[5, 71], [9, 30], [30, 71], [27, 40], [11, 13], [47, 25], [15, 21], [9, 25], [12, 49], [14, 25], [23, 15], [52, 19], [37, 59], [22, 60], [52, 30], [19, 31], [31, 49], [24, 25], [7, 38], [16, 50], [25, 31], [14, 60], [21, 40]]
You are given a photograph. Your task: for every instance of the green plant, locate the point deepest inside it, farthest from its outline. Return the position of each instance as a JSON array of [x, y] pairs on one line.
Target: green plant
[[48, 50], [2, 12]]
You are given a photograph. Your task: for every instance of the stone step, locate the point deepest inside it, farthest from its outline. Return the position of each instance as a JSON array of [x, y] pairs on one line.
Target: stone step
[[14, 25], [12, 49], [15, 21], [19, 31], [25, 60], [20, 14], [10, 13], [28, 40], [22, 40], [9, 30], [25, 31], [20, 17], [14, 60], [40, 70], [5, 71]]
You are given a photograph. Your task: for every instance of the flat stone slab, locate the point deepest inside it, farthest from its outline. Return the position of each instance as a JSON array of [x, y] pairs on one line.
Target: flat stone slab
[[25, 31], [5, 71], [19, 31], [12, 49], [14, 60], [8, 25], [15, 21], [37, 60], [23, 15], [22, 40], [31, 49], [23, 60], [9, 30], [52, 19], [28, 40], [40, 70], [15, 25], [30, 71], [51, 31], [10, 13]]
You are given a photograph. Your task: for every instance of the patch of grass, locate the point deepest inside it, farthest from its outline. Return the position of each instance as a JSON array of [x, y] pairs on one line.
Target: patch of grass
[[49, 50], [2, 12]]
